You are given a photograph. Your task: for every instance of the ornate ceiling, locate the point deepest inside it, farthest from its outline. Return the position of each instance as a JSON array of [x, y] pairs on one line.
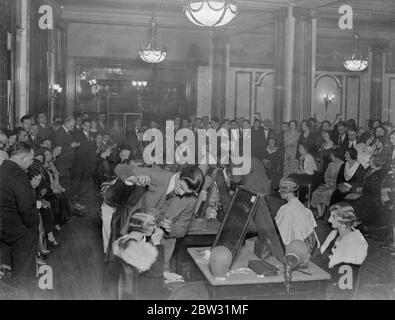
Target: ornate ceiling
[[371, 16]]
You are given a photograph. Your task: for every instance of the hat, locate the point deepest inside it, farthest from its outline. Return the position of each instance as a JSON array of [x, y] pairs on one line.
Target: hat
[[345, 214], [288, 185]]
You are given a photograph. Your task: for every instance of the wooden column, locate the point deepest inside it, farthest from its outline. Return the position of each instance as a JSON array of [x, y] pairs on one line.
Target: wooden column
[[376, 83], [304, 63], [218, 74]]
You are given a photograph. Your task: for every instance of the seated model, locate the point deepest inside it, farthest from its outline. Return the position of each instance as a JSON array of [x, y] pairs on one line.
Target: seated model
[[294, 220]]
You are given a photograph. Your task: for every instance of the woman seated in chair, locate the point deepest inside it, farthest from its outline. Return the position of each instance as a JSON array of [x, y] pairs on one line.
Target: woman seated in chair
[[322, 195], [306, 174], [142, 257], [343, 246], [350, 176], [366, 199], [293, 219], [273, 161]]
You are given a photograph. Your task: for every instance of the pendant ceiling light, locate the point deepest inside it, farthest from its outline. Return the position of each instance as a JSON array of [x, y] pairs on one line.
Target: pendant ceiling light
[[356, 62], [210, 13], [153, 53]]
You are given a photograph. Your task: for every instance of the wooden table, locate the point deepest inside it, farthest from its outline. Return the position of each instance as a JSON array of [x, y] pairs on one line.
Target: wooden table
[[181, 261], [251, 285]]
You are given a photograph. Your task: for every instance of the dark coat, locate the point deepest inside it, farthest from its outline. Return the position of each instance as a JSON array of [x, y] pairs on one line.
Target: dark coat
[[256, 180], [265, 139], [36, 144], [43, 132], [17, 202], [356, 181], [86, 152], [342, 145], [310, 141], [258, 143], [64, 139]]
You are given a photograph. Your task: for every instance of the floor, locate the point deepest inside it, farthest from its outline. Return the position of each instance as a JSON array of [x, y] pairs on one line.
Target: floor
[[78, 264]]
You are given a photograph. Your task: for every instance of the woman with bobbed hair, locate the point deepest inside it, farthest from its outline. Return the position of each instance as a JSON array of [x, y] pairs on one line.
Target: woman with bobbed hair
[[307, 136], [350, 177], [344, 250], [322, 195], [366, 199], [345, 244]]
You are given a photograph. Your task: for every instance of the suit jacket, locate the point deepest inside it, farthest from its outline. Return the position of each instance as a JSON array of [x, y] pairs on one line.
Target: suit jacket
[[43, 132], [76, 131], [36, 144], [178, 209], [258, 143], [101, 128], [256, 180], [17, 202], [66, 158], [264, 139], [344, 144], [86, 152]]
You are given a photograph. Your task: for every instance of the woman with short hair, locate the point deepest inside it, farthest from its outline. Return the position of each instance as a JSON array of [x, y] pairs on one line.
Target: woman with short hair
[[306, 175], [350, 176], [322, 195], [272, 159]]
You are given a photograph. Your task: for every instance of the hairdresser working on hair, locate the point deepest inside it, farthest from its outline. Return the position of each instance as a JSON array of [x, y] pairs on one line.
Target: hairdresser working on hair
[[174, 195]]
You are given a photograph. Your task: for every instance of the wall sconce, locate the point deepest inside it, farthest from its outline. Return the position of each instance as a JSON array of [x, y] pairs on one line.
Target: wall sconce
[[139, 84], [327, 98], [100, 91], [83, 75], [55, 90]]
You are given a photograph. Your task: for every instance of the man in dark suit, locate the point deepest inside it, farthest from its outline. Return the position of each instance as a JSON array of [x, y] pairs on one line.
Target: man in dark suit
[[64, 163], [340, 136], [267, 131], [173, 194], [84, 157], [44, 132], [257, 146], [33, 139], [18, 211], [352, 136], [101, 123], [77, 126]]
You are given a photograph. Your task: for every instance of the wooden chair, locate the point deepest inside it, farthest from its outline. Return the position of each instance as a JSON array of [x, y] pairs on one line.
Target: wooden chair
[[334, 292]]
